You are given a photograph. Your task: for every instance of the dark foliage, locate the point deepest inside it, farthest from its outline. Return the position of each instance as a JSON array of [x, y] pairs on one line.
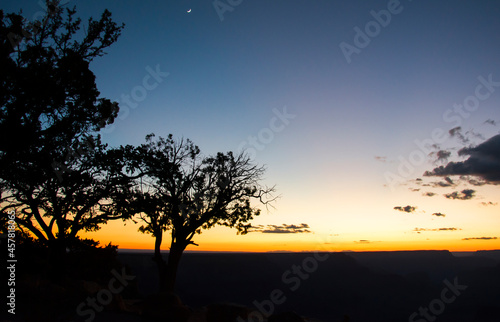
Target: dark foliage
[[54, 171], [181, 191]]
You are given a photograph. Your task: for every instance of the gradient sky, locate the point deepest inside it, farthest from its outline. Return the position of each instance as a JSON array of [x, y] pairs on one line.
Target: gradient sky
[[357, 118]]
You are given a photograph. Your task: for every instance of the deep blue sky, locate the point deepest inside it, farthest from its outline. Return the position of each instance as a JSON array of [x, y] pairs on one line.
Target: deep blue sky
[[226, 77]]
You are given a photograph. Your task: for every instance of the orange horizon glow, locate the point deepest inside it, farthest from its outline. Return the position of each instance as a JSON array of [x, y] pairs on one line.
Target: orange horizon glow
[[317, 250], [250, 249], [226, 240]]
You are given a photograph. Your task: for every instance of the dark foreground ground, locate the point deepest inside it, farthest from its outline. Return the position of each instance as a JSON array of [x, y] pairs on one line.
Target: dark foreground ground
[[368, 287], [334, 287]]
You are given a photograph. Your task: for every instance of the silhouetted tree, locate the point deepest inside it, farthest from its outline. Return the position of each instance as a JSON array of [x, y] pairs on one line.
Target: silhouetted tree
[[54, 170], [183, 192]]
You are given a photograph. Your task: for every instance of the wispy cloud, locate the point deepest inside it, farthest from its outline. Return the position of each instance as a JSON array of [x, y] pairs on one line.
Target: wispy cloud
[[281, 229], [489, 203], [473, 181], [438, 214], [456, 132], [437, 229], [365, 241], [440, 156], [445, 183], [428, 194], [491, 122], [480, 238]]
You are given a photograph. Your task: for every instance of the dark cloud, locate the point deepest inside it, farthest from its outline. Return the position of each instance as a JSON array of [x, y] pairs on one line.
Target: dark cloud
[[417, 181], [473, 181], [414, 189], [438, 214], [442, 184], [381, 159], [481, 238], [437, 229], [443, 155], [447, 182], [471, 133], [281, 229], [408, 209], [456, 132], [489, 203], [428, 194], [483, 162], [440, 156], [465, 194], [491, 122]]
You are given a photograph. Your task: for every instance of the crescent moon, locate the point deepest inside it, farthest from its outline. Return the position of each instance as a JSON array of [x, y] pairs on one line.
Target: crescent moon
[[189, 11]]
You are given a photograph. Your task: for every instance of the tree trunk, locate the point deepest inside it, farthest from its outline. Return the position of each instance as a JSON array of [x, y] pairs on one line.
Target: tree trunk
[[57, 259], [160, 263], [174, 257], [158, 239], [167, 271]]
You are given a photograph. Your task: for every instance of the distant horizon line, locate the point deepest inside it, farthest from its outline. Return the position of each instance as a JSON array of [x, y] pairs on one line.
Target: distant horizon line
[[142, 250]]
